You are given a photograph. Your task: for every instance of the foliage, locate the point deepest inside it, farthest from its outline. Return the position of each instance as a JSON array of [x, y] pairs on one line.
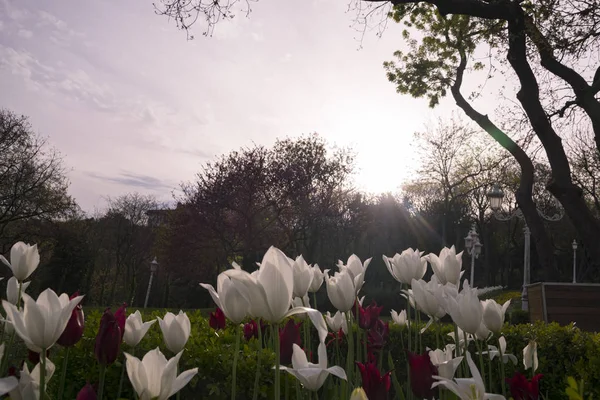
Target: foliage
[[562, 351]]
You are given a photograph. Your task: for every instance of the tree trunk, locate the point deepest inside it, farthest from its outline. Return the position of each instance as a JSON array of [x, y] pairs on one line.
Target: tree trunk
[[561, 184], [524, 193]]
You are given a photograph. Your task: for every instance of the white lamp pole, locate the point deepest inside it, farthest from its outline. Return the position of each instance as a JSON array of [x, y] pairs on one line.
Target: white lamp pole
[[153, 268], [473, 246], [495, 197], [574, 244]]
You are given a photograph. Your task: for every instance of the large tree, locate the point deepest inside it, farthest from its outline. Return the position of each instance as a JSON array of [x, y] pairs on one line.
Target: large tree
[[33, 182], [450, 31]]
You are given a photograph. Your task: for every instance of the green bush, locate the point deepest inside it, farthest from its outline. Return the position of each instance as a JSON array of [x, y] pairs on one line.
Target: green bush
[[503, 297], [562, 351], [517, 317]]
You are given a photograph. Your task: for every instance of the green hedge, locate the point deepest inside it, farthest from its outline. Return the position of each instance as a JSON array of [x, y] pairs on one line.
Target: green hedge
[[562, 351]]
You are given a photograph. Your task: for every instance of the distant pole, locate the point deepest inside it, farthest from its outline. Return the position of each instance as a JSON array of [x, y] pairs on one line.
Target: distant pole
[[574, 244], [526, 266], [153, 268]]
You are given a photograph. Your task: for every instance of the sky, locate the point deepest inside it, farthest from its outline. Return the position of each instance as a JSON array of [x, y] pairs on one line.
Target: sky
[[132, 105]]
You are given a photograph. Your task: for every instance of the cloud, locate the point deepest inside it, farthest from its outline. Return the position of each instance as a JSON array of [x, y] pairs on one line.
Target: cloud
[[135, 180], [24, 33]]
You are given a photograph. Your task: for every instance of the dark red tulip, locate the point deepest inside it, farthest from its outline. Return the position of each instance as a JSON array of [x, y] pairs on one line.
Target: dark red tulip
[[421, 375], [339, 337], [12, 371], [217, 319], [108, 340], [87, 393], [522, 389], [121, 317], [378, 335], [367, 317], [374, 384], [74, 330], [289, 335], [250, 330], [34, 357]]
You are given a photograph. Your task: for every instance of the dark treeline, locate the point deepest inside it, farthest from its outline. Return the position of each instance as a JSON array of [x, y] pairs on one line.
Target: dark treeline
[[299, 196]]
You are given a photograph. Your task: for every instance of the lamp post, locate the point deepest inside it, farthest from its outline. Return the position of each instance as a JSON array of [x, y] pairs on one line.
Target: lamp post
[[153, 268], [495, 197], [574, 245], [473, 246]]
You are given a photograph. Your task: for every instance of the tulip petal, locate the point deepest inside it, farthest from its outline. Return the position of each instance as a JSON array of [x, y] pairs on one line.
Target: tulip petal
[[8, 384], [319, 322], [213, 294], [337, 371], [183, 379], [299, 360]]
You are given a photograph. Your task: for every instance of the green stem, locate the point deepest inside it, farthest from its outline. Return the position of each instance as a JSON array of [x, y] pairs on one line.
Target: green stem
[[481, 364], [438, 334], [350, 357], [502, 373], [178, 395], [315, 300], [238, 333], [43, 374], [490, 380], [258, 362], [277, 357], [101, 382], [408, 323], [121, 379], [63, 375]]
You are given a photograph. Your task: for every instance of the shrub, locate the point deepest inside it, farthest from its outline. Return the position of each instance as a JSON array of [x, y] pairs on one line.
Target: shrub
[[562, 351]]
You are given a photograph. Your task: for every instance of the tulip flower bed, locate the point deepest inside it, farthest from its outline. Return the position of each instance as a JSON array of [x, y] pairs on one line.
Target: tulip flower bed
[[264, 341]]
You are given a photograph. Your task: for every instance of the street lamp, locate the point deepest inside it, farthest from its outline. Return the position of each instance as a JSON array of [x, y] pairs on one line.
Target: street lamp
[[153, 268], [473, 247], [495, 197], [574, 245]]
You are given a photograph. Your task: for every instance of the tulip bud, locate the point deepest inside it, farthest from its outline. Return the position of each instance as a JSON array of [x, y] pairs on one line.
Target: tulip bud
[[121, 317], [74, 329], [108, 340], [421, 375], [375, 385], [368, 316], [289, 336], [522, 389], [217, 319], [87, 393], [251, 330]]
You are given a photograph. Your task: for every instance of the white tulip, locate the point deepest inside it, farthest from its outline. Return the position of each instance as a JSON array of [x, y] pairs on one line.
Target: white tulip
[[298, 302], [483, 333], [399, 319], [12, 289], [303, 277], [231, 296], [337, 322], [176, 330], [493, 352], [466, 309], [356, 269], [460, 343], [135, 329], [155, 378], [493, 314], [341, 290], [447, 267], [29, 382], [408, 294], [41, 322], [530, 358], [444, 361], [270, 289], [24, 259], [425, 297], [312, 376], [468, 388], [317, 280], [9, 383], [406, 266]]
